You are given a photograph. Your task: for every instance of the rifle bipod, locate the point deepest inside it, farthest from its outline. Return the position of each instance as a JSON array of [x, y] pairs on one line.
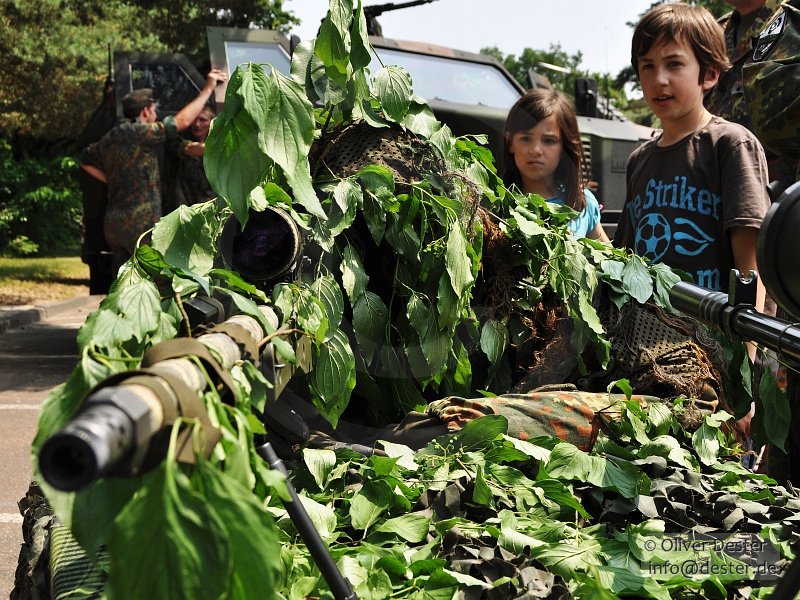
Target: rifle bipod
[[338, 584]]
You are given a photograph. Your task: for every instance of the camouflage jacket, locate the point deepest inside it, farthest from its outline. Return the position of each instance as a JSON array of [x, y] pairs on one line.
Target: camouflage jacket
[[128, 156], [772, 80], [727, 98]]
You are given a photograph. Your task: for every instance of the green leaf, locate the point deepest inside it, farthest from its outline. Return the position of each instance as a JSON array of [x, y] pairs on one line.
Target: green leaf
[[404, 454], [458, 265], [420, 119], [636, 280], [369, 503], [288, 133], [481, 432], [333, 40], [434, 342], [622, 384], [532, 450], [329, 294], [360, 50], [494, 339], [665, 280], [567, 559], [234, 160], [412, 527], [347, 197], [568, 462], [354, 278], [183, 551], [233, 282], [370, 322], [184, 239], [392, 85], [109, 329], [322, 517], [482, 493], [320, 463], [775, 409], [333, 377], [141, 305], [609, 475], [706, 443], [254, 548], [448, 304]]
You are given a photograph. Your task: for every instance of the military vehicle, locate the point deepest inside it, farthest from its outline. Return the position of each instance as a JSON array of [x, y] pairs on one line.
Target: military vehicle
[[469, 92]]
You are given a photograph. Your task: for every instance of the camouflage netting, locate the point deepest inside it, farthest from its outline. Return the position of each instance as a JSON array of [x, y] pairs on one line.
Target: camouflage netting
[[345, 151]]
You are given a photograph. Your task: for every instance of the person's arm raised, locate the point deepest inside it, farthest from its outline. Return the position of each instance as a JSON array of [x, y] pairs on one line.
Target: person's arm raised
[[188, 113]]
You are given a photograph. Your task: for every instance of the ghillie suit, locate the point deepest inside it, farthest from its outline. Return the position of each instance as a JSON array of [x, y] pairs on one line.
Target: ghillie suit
[[663, 356]]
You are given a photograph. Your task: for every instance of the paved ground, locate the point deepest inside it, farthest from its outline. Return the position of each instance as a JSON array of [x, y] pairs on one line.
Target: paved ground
[[37, 352]]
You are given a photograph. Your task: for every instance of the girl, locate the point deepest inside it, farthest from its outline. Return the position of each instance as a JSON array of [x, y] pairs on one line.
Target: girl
[[543, 155]]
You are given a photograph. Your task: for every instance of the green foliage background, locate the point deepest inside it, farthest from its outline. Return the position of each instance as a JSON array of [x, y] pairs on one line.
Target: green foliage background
[[40, 204]]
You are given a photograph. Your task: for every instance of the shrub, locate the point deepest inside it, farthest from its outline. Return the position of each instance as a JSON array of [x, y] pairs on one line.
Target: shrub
[[40, 204]]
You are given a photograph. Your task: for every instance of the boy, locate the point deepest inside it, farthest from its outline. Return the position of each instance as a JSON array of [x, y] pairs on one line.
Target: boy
[[696, 194]]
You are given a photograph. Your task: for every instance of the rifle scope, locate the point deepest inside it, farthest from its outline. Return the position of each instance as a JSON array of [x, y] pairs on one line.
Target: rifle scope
[[778, 249], [267, 250]]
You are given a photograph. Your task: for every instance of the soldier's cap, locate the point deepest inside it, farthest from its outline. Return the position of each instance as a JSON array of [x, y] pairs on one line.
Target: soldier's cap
[[133, 102]]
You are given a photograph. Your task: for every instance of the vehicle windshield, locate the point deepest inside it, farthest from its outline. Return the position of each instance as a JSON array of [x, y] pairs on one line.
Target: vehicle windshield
[[237, 53], [451, 79]]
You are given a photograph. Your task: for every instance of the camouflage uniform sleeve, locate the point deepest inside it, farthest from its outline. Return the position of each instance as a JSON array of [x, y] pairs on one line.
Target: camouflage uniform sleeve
[[92, 155], [158, 132], [170, 127], [772, 83]]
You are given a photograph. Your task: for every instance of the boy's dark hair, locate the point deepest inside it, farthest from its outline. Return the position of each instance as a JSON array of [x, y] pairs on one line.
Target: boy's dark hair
[[677, 20], [536, 105]]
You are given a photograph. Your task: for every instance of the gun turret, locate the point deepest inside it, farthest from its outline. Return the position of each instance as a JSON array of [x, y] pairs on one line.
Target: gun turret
[[373, 12]]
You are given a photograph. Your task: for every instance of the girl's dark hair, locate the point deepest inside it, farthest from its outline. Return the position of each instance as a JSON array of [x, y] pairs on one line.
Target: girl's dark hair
[[533, 107], [694, 24]]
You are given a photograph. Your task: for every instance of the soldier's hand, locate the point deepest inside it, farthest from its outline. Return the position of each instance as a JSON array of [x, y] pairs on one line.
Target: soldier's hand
[[215, 77]]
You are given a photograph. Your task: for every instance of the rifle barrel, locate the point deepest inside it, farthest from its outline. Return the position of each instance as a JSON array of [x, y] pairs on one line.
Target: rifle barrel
[[743, 321]]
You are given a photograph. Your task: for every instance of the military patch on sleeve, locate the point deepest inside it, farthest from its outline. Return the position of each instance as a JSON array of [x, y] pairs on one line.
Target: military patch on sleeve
[[768, 37]]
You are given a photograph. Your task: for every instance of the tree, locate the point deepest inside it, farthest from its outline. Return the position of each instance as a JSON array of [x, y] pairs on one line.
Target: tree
[[540, 62], [534, 59], [55, 51]]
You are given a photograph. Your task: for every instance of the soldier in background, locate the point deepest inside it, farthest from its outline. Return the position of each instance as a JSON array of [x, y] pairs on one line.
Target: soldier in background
[[727, 99], [191, 183], [126, 160], [771, 79]]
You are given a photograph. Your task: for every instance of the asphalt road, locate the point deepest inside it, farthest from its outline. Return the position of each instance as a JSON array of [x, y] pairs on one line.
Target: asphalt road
[[34, 358]]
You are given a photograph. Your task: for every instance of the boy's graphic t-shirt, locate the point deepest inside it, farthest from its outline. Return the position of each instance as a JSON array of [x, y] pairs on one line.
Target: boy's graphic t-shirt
[[682, 200]]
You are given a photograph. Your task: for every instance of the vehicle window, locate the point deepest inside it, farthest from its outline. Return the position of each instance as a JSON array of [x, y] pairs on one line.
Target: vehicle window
[[170, 83], [450, 79], [237, 53]]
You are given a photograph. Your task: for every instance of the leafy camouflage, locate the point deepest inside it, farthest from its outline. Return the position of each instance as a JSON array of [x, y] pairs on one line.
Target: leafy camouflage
[[128, 156], [772, 83], [571, 416]]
